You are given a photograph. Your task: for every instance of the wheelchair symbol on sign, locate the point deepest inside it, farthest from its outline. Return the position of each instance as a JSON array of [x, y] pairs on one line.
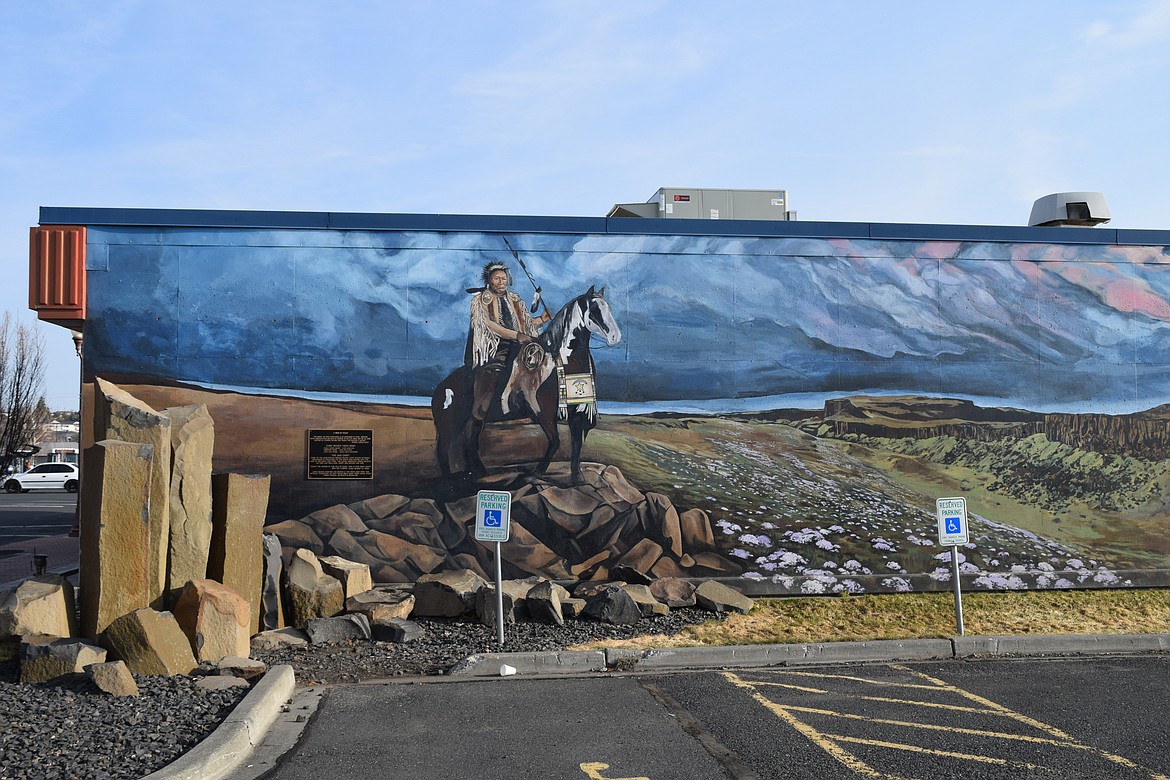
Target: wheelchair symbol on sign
[[953, 525], [493, 518]]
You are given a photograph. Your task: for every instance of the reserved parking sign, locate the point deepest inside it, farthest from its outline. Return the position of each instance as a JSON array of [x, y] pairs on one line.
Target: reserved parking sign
[[493, 515], [952, 521]]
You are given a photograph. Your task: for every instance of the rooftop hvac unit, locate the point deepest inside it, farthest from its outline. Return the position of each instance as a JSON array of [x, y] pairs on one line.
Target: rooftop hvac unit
[[693, 203], [1081, 209]]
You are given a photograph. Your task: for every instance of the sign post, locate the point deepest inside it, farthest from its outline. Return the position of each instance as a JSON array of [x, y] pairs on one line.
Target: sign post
[[493, 523], [952, 531]]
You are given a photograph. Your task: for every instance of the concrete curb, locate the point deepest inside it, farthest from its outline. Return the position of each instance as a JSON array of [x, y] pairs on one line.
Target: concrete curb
[[1060, 644], [571, 662], [779, 655], [551, 662], [683, 658], [232, 742]]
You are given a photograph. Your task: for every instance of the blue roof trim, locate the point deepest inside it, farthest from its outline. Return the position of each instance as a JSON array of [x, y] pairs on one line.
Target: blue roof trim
[[324, 220]]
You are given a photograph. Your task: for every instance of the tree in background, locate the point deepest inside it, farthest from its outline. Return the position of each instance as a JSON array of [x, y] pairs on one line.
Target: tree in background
[[22, 377]]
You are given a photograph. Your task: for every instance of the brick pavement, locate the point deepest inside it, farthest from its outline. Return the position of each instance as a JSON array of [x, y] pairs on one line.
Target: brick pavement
[[62, 551]]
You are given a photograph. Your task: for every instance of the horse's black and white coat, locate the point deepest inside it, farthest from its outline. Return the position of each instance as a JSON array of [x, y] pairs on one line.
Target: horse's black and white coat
[[461, 405]]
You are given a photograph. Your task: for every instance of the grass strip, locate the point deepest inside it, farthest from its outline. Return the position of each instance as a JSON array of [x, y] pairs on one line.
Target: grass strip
[[924, 616]]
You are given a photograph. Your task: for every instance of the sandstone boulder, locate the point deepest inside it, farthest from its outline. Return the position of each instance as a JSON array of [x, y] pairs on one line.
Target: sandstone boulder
[[544, 603], [241, 666], [310, 592], [239, 503], [150, 643], [44, 657], [486, 605], [673, 592], [122, 417], [40, 605], [354, 577], [112, 677], [278, 638], [719, 598], [447, 594], [382, 604], [116, 567], [215, 619], [189, 537], [647, 604]]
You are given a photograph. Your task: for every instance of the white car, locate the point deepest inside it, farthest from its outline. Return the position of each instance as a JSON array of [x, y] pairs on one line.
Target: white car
[[46, 476]]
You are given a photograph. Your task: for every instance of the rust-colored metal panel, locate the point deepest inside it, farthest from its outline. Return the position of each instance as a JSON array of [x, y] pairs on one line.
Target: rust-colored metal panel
[[56, 277]]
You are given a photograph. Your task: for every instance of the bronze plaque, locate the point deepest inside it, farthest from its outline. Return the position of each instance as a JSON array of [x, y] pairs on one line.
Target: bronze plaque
[[339, 454]]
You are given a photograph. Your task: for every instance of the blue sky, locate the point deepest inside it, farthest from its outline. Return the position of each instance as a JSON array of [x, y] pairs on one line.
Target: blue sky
[[893, 112]]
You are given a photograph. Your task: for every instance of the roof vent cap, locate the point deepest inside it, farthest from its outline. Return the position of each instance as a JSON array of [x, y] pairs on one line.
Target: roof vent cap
[[1063, 209]]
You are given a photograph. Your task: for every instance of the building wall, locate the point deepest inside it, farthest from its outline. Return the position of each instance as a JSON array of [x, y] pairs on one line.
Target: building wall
[[812, 396]]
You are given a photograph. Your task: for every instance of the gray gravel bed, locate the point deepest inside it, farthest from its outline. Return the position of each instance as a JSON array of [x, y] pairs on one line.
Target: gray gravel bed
[[69, 729], [447, 642]]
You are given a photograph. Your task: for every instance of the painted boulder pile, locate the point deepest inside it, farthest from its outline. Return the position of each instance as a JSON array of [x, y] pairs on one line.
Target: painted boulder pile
[[559, 531]]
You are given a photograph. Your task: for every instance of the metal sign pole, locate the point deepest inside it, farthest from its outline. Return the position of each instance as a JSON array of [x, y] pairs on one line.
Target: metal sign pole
[[958, 589], [952, 531], [500, 599], [493, 523]]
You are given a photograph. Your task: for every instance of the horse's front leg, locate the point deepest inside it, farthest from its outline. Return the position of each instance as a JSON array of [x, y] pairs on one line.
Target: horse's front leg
[[484, 386], [547, 420], [579, 425]]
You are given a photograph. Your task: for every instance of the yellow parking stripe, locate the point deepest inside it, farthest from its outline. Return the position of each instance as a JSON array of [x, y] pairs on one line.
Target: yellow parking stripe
[[935, 727], [934, 752], [843, 756], [831, 743], [850, 678], [1055, 732], [1119, 760]]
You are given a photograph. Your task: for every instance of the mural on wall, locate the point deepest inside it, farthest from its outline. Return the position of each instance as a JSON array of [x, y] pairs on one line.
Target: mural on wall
[[784, 409]]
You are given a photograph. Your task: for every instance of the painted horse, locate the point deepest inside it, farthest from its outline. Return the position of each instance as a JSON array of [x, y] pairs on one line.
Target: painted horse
[[547, 380]]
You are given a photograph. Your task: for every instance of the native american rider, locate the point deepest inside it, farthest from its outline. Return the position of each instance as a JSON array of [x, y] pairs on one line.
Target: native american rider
[[500, 327]]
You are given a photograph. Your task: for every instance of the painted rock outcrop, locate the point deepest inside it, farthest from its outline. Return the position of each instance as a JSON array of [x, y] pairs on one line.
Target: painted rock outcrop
[[559, 531]]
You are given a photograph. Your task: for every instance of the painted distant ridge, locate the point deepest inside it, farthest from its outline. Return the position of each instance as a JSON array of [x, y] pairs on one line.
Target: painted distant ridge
[[1143, 434]]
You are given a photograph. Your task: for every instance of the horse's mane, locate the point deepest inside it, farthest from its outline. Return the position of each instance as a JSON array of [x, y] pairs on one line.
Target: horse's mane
[[557, 329]]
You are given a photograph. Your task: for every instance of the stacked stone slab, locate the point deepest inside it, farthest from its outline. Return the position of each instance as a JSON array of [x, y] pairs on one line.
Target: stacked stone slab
[[122, 417], [192, 445], [116, 555], [239, 504]]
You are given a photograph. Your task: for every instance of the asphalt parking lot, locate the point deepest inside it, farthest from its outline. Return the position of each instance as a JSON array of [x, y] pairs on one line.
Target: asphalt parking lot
[[1003, 718]]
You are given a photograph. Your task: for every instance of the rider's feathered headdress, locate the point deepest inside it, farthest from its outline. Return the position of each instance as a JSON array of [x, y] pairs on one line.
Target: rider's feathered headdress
[[491, 268]]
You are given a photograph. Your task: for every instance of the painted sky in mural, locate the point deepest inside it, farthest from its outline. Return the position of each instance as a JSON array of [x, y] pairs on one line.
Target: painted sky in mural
[[1041, 326]]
